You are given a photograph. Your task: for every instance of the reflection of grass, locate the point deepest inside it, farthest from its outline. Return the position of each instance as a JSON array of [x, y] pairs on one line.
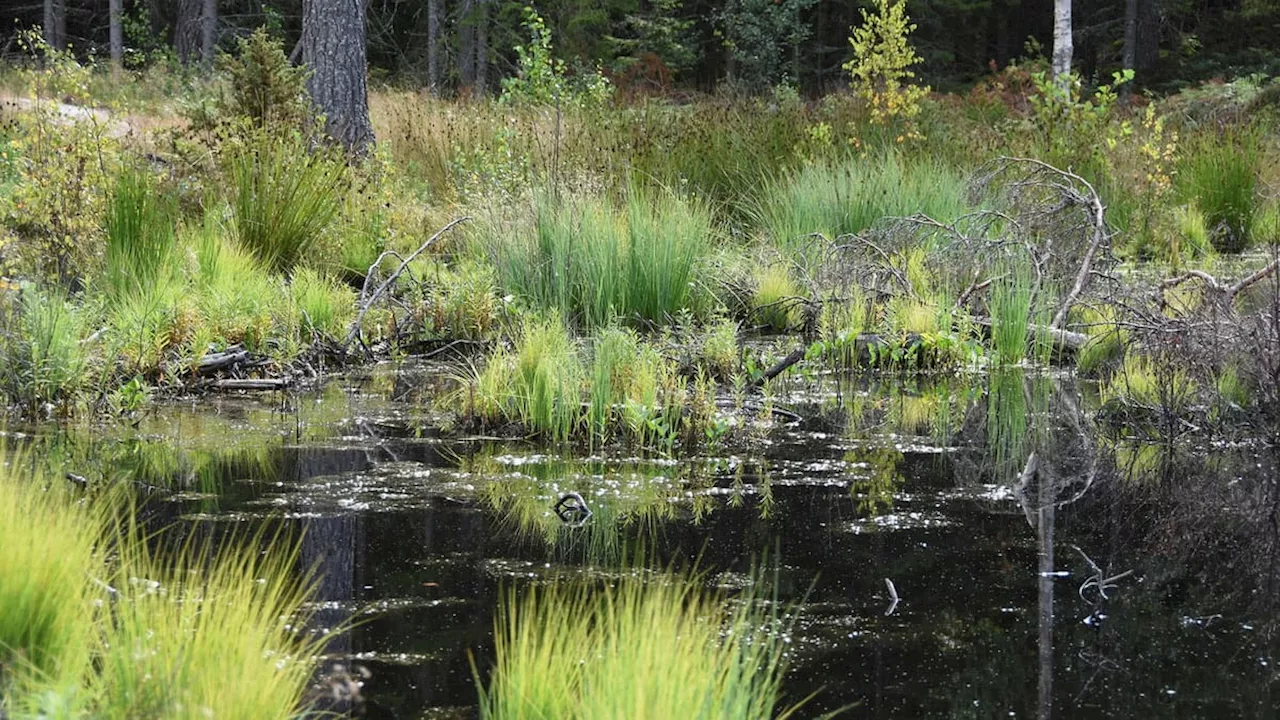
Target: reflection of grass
[[1016, 405], [621, 496], [659, 649]]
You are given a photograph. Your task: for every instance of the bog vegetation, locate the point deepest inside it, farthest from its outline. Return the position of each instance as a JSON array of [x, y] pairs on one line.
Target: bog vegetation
[[599, 270]]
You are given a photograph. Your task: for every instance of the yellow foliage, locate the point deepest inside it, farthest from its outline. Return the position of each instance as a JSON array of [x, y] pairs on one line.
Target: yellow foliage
[[880, 66]]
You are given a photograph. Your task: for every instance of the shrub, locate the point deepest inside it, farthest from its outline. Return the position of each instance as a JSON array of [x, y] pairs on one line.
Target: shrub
[[633, 649], [881, 58], [284, 195], [1220, 176]]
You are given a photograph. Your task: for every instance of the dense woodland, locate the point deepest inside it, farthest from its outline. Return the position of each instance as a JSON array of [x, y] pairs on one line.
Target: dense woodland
[[467, 46]]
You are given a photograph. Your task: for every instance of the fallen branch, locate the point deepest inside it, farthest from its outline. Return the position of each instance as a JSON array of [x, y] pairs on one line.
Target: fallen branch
[[253, 384], [354, 331], [779, 367], [213, 362]]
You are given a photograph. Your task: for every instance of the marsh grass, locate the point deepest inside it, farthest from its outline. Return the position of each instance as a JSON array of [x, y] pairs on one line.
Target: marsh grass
[[1219, 174], [44, 360], [284, 194], [140, 235], [593, 262], [844, 198], [634, 648], [325, 305], [1011, 300], [776, 301], [52, 553], [98, 624], [208, 631], [237, 297]]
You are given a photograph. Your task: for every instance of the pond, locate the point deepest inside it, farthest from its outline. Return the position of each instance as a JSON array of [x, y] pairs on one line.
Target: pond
[[928, 576]]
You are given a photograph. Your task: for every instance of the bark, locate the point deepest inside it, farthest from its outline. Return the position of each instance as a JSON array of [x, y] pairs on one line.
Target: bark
[[1062, 50], [466, 46], [482, 46], [115, 32], [187, 31], [55, 24], [208, 32], [1130, 55], [334, 48], [435, 12]]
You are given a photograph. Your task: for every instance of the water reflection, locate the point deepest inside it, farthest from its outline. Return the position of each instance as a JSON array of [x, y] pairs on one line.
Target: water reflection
[[924, 482]]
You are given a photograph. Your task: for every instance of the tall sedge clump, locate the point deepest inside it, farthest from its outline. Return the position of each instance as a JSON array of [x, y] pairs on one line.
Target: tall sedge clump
[[50, 558], [654, 649], [140, 235], [283, 195], [882, 58]]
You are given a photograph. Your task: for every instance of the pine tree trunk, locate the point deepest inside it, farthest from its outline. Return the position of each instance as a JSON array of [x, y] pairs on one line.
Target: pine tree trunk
[[209, 32], [435, 12], [482, 47], [187, 31], [333, 46], [1061, 37], [115, 33], [466, 47]]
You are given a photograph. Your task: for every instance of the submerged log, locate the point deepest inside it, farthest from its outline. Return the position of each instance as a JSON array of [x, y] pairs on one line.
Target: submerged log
[[253, 384]]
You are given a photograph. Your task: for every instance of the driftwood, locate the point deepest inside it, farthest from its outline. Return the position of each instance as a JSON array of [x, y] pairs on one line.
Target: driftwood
[[253, 383], [779, 367], [214, 362]]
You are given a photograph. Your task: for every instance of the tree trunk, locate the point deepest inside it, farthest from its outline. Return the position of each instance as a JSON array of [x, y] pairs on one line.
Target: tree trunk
[[55, 24], [435, 12], [333, 46], [466, 47], [115, 32], [1061, 37], [482, 47], [188, 30], [209, 32]]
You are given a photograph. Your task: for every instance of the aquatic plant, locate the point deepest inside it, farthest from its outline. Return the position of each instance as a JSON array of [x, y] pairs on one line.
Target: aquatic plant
[[51, 561], [204, 631], [661, 648], [1011, 299], [1219, 175]]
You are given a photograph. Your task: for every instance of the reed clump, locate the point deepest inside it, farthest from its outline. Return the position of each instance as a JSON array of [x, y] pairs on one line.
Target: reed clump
[[661, 648]]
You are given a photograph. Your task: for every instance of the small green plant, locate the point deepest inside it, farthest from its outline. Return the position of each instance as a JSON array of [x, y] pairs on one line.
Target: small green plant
[[541, 79], [654, 649], [776, 300], [882, 58], [284, 194]]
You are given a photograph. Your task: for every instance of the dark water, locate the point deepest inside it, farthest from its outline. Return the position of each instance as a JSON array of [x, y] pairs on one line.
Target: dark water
[[914, 482]]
